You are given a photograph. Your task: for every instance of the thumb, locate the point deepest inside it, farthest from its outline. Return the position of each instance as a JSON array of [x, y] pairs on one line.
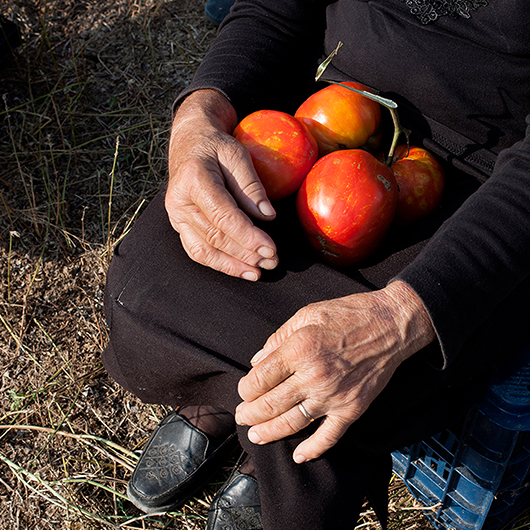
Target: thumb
[[244, 184]]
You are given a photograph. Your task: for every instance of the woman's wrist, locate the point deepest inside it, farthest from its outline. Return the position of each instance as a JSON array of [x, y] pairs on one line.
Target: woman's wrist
[[412, 318], [207, 104]]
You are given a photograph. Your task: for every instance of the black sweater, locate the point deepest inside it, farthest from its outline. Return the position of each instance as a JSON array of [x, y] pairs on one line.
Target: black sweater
[[460, 73]]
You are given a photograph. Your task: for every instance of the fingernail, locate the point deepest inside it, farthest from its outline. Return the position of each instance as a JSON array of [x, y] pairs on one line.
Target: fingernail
[[265, 207], [267, 264], [266, 252], [255, 359], [259, 356], [299, 459], [253, 437], [239, 421], [249, 275]]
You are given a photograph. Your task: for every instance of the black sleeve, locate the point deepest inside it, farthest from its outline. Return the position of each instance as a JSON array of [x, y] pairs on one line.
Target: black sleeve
[[265, 55], [479, 255]]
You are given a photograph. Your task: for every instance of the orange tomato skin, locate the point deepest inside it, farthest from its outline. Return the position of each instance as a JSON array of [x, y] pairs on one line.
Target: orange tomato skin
[[421, 183], [339, 118], [346, 205], [282, 150]]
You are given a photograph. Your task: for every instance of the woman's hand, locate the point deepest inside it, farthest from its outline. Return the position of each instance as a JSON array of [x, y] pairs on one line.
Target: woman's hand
[[333, 358], [213, 189]]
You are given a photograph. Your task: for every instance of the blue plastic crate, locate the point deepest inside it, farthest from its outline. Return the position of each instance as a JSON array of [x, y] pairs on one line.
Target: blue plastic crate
[[480, 478]]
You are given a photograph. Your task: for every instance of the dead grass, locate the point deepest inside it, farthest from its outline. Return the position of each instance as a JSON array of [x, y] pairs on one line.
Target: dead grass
[[84, 119], [83, 131]]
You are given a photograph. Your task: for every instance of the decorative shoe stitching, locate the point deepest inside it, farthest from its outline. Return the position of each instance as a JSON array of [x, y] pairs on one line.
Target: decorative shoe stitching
[[242, 518], [163, 462]]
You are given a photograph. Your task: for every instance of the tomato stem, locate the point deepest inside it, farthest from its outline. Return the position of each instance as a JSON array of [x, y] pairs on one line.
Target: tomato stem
[[398, 130], [388, 103]]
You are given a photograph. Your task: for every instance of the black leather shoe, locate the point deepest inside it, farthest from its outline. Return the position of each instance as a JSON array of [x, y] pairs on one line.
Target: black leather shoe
[[177, 461], [237, 505]]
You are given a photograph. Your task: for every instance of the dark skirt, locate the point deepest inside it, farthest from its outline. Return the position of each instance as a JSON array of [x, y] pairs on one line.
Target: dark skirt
[[181, 333]]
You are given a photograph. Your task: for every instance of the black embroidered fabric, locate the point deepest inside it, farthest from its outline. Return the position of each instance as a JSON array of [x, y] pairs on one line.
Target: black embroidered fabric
[[430, 10]]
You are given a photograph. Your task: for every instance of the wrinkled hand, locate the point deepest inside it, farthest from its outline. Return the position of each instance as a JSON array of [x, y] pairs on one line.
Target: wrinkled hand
[[334, 358], [213, 189]]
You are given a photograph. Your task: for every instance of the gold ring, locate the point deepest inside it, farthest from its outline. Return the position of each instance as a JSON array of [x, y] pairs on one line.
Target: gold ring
[[305, 413]]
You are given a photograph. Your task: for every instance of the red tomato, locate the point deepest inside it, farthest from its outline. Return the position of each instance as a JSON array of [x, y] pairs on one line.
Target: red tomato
[[421, 181], [346, 205], [339, 118], [282, 150]]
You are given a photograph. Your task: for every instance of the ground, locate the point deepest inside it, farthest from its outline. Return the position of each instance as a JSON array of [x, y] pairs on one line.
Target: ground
[[84, 126]]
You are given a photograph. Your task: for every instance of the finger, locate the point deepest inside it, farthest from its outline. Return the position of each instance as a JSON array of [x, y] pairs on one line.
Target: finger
[[264, 377], [283, 333], [243, 182], [272, 404], [211, 210], [211, 237], [203, 253], [273, 342], [280, 427], [325, 437], [222, 212]]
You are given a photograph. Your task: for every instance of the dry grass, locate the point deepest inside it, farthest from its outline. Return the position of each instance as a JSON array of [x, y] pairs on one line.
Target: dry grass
[[84, 121], [83, 134]]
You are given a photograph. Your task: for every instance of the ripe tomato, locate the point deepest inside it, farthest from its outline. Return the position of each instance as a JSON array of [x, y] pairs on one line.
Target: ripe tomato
[[346, 205], [282, 150], [339, 118], [421, 181]]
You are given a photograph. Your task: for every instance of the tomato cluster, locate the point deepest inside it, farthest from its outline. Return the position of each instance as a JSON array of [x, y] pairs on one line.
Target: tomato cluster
[[347, 198]]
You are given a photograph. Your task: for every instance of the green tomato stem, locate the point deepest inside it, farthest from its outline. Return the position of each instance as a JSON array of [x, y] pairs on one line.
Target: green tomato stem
[[388, 103], [398, 130]]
